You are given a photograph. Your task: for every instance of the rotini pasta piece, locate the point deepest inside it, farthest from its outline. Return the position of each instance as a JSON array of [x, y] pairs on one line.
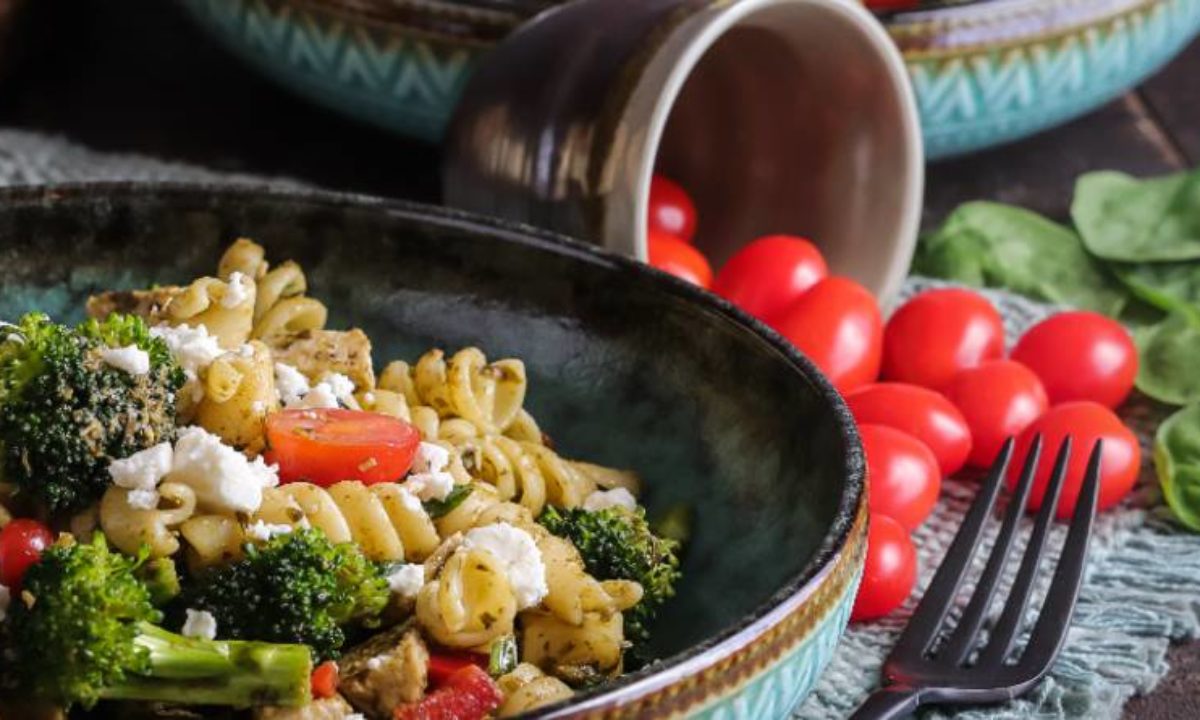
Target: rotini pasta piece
[[384, 402], [225, 309], [608, 478], [572, 592], [281, 283], [503, 463], [239, 393], [288, 318], [470, 602], [565, 485], [212, 540], [130, 528], [577, 653], [527, 688], [244, 256], [319, 352], [483, 506], [467, 386], [525, 429]]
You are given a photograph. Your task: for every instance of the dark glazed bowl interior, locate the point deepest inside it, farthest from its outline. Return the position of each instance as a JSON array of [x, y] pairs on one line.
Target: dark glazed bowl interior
[[627, 367]]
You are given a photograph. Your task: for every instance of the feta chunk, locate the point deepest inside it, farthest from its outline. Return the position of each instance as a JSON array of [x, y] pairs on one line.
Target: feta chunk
[[291, 384], [141, 499], [223, 479], [409, 501], [5, 598], [199, 624], [321, 396], [519, 557], [333, 391], [430, 458], [142, 470], [406, 581], [429, 479], [193, 348], [264, 531], [131, 359], [237, 290], [603, 499]]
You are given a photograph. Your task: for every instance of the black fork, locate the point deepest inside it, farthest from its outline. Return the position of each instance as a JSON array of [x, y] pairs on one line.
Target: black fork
[[921, 671]]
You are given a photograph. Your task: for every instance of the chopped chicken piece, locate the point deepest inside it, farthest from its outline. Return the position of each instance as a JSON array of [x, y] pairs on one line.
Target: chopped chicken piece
[[319, 352], [149, 304], [384, 672]]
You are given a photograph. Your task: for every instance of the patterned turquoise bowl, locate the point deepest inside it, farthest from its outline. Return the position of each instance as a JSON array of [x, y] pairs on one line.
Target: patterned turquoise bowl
[[627, 367]]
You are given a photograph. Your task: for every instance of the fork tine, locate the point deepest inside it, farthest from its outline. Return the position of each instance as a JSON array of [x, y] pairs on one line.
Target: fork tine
[[1005, 632], [1052, 624], [963, 638], [923, 627]]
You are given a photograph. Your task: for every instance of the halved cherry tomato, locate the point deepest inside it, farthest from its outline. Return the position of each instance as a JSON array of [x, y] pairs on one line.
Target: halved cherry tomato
[[770, 273], [903, 474], [1086, 422], [469, 694], [1080, 356], [325, 680], [670, 254], [926, 415], [21, 544], [325, 446], [890, 571], [838, 325], [671, 209], [444, 663], [939, 332], [998, 399]]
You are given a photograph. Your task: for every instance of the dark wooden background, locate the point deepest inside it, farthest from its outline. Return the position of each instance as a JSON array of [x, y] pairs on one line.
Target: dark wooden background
[[133, 75]]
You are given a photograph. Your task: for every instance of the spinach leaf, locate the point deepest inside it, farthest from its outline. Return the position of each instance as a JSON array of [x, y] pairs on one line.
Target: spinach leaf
[[1167, 286], [1177, 460], [1169, 354], [439, 508], [1127, 219], [994, 245]]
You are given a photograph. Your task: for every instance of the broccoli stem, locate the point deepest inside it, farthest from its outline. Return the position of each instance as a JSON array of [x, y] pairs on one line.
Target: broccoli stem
[[217, 672]]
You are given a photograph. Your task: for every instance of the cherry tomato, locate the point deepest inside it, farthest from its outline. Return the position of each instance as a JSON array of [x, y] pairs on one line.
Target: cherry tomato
[[1080, 356], [444, 663], [671, 209], [325, 680], [21, 544], [938, 333], [998, 399], [1086, 422], [926, 415], [838, 326], [903, 473], [326, 446], [670, 254], [890, 571], [767, 275], [468, 694]]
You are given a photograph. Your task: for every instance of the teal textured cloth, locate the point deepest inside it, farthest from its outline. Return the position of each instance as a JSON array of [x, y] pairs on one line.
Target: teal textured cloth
[[1143, 583]]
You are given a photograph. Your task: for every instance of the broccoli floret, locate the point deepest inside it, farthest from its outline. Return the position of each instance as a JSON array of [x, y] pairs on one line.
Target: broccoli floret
[[297, 587], [161, 578], [65, 414], [84, 629], [619, 545]]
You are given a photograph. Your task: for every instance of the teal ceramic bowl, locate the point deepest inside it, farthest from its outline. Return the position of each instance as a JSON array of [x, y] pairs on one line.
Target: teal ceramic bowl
[[627, 366]]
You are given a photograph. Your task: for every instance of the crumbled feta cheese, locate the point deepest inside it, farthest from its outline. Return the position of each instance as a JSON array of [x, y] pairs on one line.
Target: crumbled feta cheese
[[430, 458], [193, 348], [222, 477], [142, 499], [321, 396], [131, 359], [142, 470], [519, 557], [199, 624], [237, 290], [355, 716], [264, 531], [291, 384], [410, 501], [407, 580], [5, 598], [429, 479], [333, 391], [617, 497], [246, 351]]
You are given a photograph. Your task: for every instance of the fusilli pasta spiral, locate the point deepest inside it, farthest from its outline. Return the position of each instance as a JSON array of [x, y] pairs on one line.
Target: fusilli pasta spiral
[[527, 688], [469, 603], [130, 528]]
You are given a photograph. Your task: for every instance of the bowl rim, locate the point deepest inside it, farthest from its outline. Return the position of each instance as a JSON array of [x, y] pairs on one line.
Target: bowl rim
[[793, 593]]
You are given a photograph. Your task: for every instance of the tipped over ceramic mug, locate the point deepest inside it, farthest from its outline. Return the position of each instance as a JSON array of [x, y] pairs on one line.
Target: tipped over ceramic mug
[[777, 116]]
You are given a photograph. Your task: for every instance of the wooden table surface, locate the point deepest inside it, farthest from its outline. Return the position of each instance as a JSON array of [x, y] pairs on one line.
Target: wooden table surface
[[133, 75]]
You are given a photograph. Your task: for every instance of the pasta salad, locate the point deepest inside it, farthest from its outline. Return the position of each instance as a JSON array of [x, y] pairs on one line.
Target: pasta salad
[[210, 499]]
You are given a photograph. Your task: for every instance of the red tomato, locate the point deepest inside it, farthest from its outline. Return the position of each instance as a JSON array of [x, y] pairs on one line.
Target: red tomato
[[767, 275], [890, 571], [670, 254], [326, 446], [325, 680], [838, 326], [468, 694], [671, 209], [1086, 422], [1080, 356], [926, 415], [21, 544], [444, 663], [938, 333], [998, 399], [903, 474]]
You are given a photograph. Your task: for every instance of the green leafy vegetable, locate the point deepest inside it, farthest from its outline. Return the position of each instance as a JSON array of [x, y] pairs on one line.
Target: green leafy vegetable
[[437, 508], [994, 245], [1123, 218], [1166, 286], [1177, 460], [1169, 352], [503, 656]]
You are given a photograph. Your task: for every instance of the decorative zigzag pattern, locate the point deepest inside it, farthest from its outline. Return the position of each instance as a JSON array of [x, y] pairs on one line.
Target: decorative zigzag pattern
[[408, 84], [974, 100]]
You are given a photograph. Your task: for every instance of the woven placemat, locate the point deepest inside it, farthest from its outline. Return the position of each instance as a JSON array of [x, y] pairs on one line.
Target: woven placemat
[[1143, 583]]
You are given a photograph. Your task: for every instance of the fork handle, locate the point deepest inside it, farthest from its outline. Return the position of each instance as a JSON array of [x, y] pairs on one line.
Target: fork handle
[[888, 703]]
